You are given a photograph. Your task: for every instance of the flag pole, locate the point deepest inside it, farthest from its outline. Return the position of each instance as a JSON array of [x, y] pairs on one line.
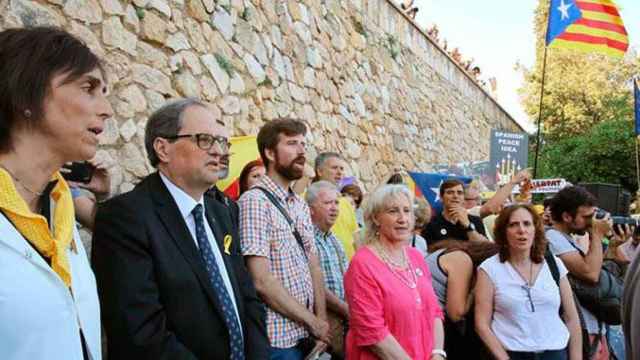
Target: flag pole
[[544, 73], [637, 165]]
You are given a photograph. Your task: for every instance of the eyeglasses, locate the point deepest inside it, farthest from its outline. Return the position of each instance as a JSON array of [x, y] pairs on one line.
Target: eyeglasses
[[527, 289], [204, 141]]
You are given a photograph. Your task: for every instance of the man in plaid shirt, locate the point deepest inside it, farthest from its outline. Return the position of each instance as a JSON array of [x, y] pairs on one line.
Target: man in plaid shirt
[[286, 271], [322, 197]]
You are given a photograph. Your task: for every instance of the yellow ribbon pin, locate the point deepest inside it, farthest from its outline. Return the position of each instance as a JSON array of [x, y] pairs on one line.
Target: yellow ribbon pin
[[227, 244]]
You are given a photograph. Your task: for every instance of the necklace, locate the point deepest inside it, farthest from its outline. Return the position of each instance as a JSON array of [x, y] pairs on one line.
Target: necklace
[[528, 286], [34, 192], [398, 270], [402, 264]]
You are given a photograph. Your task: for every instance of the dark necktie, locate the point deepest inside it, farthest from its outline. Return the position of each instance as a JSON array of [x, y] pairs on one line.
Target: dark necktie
[[224, 298]]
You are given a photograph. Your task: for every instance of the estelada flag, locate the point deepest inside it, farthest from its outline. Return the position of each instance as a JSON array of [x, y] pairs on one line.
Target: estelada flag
[[587, 25], [244, 149], [428, 185]]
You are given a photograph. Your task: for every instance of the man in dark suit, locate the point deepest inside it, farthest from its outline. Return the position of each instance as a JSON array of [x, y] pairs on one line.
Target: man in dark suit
[[171, 279]]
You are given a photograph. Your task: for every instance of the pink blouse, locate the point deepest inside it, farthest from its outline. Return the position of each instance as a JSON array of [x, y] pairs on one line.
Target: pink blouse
[[381, 304]]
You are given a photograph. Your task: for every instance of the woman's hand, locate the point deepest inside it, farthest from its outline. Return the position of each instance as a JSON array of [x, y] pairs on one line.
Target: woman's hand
[[100, 184]]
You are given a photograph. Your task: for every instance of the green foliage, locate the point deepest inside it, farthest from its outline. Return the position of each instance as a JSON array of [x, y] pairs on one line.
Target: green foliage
[[139, 13], [265, 82], [358, 27], [393, 46], [605, 153], [225, 64], [246, 13]]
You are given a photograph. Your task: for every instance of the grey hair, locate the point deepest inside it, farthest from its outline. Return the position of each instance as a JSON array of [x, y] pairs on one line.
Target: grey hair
[[376, 203], [166, 121], [314, 190], [323, 157]]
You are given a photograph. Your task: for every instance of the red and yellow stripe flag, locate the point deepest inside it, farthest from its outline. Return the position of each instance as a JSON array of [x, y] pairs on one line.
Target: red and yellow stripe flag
[[244, 149], [587, 25]]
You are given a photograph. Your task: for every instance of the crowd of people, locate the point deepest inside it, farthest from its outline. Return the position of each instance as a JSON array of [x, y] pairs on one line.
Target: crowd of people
[[296, 267]]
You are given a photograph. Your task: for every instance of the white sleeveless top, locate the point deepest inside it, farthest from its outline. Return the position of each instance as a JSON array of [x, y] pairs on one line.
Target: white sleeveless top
[[514, 324]]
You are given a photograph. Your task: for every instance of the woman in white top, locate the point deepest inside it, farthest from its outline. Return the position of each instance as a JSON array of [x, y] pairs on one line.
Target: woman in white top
[[517, 300], [53, 105]]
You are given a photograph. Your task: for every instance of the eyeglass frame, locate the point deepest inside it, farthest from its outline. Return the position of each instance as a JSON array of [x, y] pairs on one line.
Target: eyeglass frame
[[527, 289], [224, 143]]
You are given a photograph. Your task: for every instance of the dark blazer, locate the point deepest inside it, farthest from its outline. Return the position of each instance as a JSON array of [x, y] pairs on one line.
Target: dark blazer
[[156, 298], [224, 199]]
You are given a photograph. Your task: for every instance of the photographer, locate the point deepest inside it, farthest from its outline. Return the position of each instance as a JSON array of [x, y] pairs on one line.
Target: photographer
[[573, 212], [624, 248]]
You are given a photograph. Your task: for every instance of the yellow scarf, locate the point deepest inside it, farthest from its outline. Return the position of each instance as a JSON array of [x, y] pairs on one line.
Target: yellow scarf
[[35, 228]]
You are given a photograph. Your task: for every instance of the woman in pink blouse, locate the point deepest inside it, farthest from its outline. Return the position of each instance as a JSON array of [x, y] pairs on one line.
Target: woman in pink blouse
[[393, 310]]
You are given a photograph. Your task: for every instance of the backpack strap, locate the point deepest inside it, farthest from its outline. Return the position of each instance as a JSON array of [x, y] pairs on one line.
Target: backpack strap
[[285, 214], [588, 348]]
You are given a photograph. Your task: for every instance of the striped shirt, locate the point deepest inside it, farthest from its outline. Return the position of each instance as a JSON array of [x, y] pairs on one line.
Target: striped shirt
[[265, 232], [333, 260]]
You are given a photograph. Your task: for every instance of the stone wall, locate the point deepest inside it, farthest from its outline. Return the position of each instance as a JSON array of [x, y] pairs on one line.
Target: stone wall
[[370, 84]]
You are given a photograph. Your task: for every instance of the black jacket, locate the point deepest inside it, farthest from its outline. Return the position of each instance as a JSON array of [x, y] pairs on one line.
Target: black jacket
[[156, 298]]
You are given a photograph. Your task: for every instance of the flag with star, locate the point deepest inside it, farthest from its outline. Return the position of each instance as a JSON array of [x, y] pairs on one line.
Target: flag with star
[[587, 25], [428, 185]]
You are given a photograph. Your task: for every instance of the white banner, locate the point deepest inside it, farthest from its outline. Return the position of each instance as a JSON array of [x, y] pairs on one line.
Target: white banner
[[545, 186]]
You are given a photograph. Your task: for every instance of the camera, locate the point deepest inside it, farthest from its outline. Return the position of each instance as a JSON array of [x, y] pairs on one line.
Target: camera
[[617, 220]]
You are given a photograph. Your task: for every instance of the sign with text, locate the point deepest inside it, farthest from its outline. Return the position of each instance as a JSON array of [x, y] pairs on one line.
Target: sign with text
[[545, 186], [509, 153]]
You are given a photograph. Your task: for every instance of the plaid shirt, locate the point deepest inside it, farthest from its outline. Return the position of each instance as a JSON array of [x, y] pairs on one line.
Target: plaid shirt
[[333, 260], [265, 232]]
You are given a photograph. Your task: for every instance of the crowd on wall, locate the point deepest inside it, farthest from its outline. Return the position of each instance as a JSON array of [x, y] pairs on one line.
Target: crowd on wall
[[408, 7], [296, 266]]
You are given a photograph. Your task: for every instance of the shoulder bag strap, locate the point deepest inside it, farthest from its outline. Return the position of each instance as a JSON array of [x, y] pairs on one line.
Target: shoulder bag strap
[[284, 213], [587, 346]]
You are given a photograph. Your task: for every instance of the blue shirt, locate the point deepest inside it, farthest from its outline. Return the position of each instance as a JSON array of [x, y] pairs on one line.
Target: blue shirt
[[333, 260]]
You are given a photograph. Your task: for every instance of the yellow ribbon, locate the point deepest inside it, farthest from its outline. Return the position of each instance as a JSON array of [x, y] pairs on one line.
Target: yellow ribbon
[[227, 244]]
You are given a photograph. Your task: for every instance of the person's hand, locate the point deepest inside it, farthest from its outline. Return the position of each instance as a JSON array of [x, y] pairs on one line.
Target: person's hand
[[622, 233], [602, 226], [521, 176], [100, 184], [320, 329], [460, 216]]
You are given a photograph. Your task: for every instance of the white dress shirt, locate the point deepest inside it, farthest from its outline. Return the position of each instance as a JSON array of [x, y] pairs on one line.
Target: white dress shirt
[[186, 204]]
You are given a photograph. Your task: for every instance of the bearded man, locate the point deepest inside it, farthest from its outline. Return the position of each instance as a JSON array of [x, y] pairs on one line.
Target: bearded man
[[277, 240]]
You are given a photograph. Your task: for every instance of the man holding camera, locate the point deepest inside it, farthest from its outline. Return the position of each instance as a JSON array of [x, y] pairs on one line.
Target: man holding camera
[[573, 212]]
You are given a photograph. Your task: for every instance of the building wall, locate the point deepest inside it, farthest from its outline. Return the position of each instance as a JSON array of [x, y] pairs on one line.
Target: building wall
[[369, 83]]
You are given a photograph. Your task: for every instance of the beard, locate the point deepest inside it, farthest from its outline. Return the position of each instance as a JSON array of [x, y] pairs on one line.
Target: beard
[[289, 171], [578, 231]]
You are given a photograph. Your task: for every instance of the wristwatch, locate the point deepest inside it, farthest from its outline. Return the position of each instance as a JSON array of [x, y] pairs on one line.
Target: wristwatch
[[471, 227], [439, 352]]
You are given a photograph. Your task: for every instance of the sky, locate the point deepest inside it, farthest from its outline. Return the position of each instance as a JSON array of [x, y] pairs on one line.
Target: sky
[[497, 34]]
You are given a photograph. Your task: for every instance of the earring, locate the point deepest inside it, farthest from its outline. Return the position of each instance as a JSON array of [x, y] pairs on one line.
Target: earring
[[27, 113]]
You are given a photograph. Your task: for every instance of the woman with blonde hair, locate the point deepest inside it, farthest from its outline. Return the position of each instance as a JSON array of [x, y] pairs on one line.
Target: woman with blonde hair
[[393, 310]]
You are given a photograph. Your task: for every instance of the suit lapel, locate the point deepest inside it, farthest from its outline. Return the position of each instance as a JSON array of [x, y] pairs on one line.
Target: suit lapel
[[175, 225]]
